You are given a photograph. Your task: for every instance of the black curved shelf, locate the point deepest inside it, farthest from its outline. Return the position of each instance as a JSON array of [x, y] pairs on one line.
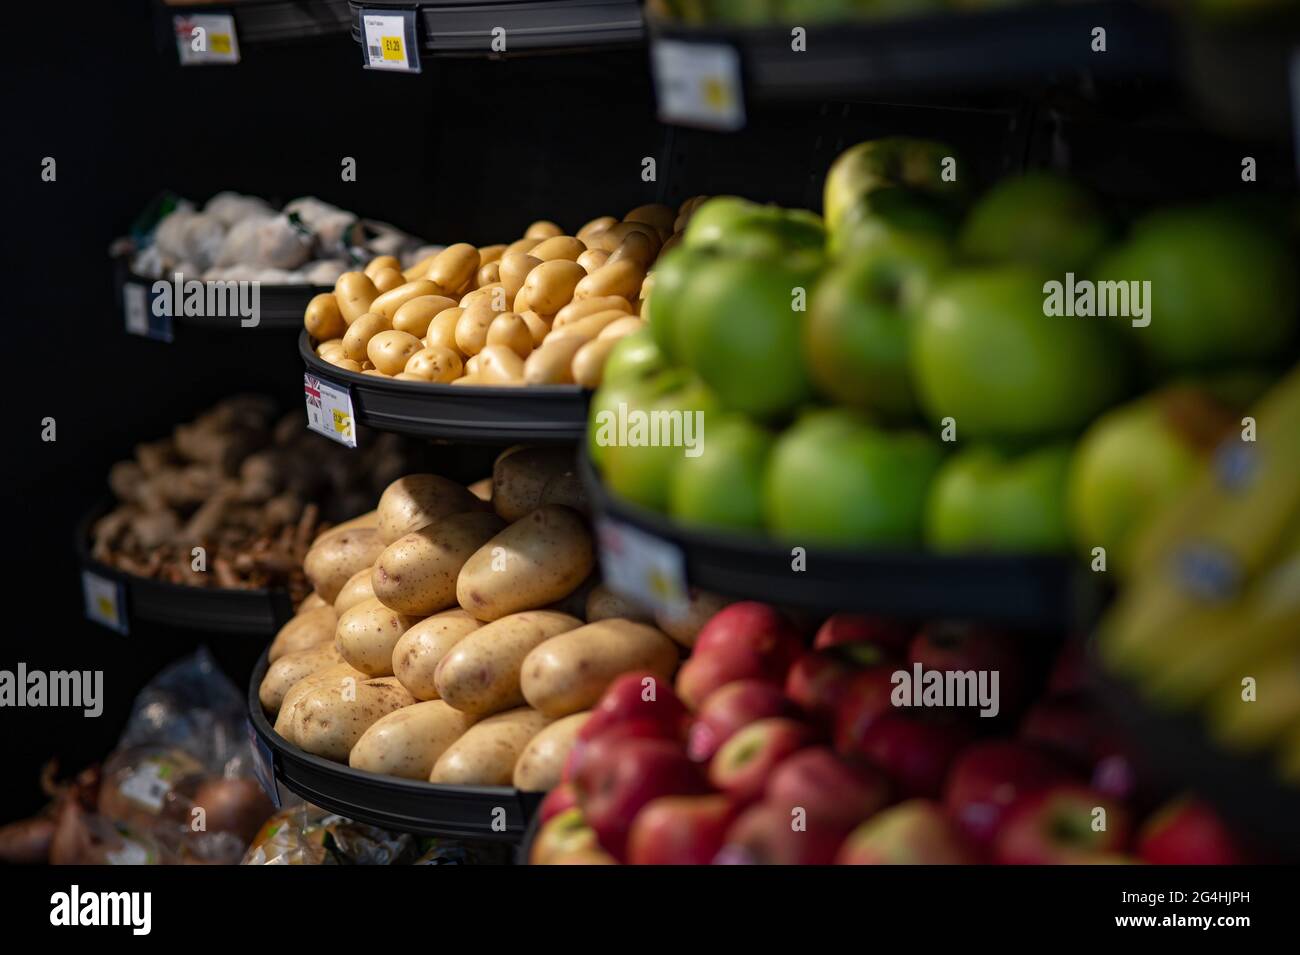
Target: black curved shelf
[[482, 415], [258, 613], [978, 51], [273, 21], [405, 805], [1017, 590], [464, 27], [1176, 748], [280, 306]]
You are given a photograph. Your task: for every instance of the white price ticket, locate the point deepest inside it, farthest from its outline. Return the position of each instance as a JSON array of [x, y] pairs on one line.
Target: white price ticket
[[148, 785], [105, 601], [698, 84], [390, 41], [206, 38], [643, 567], [329, 410]]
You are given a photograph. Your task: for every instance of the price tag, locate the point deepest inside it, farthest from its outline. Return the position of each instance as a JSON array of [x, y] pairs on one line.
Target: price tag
[[643, 567], [263, 765], [698, 84], [329, 410], [390, 40], [137, 302], [105, 601], [206, 38], [148, 786]]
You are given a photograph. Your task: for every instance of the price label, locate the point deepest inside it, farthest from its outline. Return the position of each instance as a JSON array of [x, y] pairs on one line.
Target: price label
[[643, 567], [204, 39], [137, 306], [329, 410], [263, 765], [390, 41], [698, 84], [148, 786], [105, 601]]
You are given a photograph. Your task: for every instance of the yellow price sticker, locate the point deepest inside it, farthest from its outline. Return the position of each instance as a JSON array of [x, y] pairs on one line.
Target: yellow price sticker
[[342, 422], [221, 43], [393, 48], [107, 608]]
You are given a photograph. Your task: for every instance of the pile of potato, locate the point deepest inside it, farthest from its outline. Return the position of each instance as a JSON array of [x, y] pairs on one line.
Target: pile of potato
[[543, 310], [458, 635]]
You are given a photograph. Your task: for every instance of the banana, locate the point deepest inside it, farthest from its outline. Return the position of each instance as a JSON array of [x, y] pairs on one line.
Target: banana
[[1226, 640], [1245, 727]]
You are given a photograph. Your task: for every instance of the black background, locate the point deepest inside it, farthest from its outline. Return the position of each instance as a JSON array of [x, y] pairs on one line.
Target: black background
[[471, 150]]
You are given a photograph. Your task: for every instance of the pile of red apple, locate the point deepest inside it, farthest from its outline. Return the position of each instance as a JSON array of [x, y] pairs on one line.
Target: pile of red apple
[[770, 752]]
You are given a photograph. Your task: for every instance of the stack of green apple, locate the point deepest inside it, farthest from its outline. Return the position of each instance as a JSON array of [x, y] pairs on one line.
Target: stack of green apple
[[890, 378]]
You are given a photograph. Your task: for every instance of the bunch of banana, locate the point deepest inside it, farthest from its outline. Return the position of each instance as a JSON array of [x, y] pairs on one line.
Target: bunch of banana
[[1211, 618]]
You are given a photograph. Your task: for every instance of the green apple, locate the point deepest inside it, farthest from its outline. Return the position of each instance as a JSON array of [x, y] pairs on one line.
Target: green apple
[[722, 485], [1038, 219], [633, 468], [605, 401], [892, 209], [985, 354], [636, 356], [859, 325], [1135, 461], [834, 479], [738, 326], [986, 500], [1223, 288], [915, 164], [718, 217], [735, 226], [672, 273]]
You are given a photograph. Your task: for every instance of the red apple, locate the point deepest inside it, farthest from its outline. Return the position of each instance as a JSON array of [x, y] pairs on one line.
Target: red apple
[[915, 832], [914, 754], [989, 777], [866, 699], [1054, 826], [855, 629], [831, 790], [729, 708], [769, 835], [560, 799], [680, 830], [630, 729], [619, 776], [629, 698], [744, 640], [819, 683], [565, 833], [1188, 832], [745, 761], [1071, 725], [965, 647], [1069, 670]]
